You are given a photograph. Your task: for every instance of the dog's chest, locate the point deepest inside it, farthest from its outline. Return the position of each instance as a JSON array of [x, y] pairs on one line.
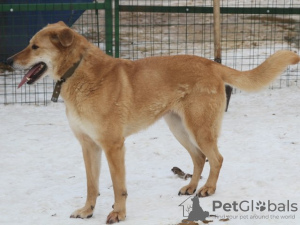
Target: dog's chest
[[81, 124]]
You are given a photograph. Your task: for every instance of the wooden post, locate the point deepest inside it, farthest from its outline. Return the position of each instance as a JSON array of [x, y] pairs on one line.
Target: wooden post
[[217, 45], [217, 31]]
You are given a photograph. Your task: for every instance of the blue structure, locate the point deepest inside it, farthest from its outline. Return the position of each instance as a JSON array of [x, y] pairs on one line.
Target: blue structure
[[17, 27]]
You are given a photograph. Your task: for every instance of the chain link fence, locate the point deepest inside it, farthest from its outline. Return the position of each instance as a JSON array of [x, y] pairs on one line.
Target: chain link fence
[[131, 29]]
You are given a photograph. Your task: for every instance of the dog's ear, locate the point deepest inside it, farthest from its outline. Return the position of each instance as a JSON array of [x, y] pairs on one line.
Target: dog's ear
[[64, 36], [62, 23]]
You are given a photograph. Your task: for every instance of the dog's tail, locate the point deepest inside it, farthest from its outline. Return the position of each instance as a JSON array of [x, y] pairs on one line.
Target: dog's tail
[[262, 75]]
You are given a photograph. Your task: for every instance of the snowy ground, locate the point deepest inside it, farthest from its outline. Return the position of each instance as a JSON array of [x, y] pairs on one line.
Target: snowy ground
[[43, 178]]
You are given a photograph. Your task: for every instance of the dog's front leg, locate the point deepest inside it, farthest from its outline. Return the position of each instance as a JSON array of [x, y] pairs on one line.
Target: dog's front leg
[[92, 159], [115, 154]]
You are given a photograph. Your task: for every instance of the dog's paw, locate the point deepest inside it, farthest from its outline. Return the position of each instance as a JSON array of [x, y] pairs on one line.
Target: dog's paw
[[114, 217], [85, 212], [187, 190], [206, 191]]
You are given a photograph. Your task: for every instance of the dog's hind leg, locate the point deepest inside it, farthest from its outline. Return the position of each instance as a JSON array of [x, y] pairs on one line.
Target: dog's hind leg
[[203, 121], [177, 127], [211, 151], [92, 160]]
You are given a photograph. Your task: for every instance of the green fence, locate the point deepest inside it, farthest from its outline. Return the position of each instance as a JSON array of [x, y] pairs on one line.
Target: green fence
[[95, 23], [251, 31]]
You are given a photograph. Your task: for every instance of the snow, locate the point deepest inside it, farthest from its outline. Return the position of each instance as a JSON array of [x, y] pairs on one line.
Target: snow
[[43, 177], [42, 172]]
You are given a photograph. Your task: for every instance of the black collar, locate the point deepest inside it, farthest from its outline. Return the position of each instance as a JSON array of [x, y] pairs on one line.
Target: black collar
[[59, 83]]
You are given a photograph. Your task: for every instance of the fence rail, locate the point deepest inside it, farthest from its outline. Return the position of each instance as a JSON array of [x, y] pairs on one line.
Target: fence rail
[[50, 6], [198, 9], [137, 29]]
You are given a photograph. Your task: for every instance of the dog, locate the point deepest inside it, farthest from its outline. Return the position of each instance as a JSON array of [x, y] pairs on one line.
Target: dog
[[108, 99]]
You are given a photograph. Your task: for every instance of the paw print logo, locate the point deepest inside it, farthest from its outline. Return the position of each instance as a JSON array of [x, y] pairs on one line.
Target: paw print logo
[[261, 206]]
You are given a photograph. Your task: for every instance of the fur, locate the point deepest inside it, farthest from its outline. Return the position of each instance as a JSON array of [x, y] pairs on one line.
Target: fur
[[108, 99]]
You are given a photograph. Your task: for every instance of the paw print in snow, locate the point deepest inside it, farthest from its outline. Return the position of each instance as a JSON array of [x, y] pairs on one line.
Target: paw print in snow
[[261, 206]]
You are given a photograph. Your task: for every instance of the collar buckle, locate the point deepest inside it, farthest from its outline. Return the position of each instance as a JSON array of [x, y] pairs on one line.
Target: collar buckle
[[69, 73]]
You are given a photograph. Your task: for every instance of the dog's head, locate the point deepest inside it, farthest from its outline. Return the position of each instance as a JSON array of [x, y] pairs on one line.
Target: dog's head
[[50, 47]]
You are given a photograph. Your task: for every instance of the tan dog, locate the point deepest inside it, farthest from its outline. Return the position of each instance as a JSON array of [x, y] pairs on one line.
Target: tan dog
[[108, 99]]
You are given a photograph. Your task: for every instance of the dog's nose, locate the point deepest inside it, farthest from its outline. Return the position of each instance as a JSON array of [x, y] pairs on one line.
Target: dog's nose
[[10, 61]]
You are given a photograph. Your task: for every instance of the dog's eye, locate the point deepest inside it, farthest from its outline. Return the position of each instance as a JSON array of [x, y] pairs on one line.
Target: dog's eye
[[35, 47]]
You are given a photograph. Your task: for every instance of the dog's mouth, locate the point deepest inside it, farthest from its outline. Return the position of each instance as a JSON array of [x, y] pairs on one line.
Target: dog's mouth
[[34, 73]]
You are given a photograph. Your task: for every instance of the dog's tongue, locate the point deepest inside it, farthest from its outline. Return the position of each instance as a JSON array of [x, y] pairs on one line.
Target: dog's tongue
[[27, 76]]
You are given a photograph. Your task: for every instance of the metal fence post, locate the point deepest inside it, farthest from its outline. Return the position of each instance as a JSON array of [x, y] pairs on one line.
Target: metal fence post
[[117, 29], [108, 27]]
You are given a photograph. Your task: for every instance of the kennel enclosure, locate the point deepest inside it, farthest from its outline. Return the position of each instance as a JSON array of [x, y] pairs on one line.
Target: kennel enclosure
[[250, 32]]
